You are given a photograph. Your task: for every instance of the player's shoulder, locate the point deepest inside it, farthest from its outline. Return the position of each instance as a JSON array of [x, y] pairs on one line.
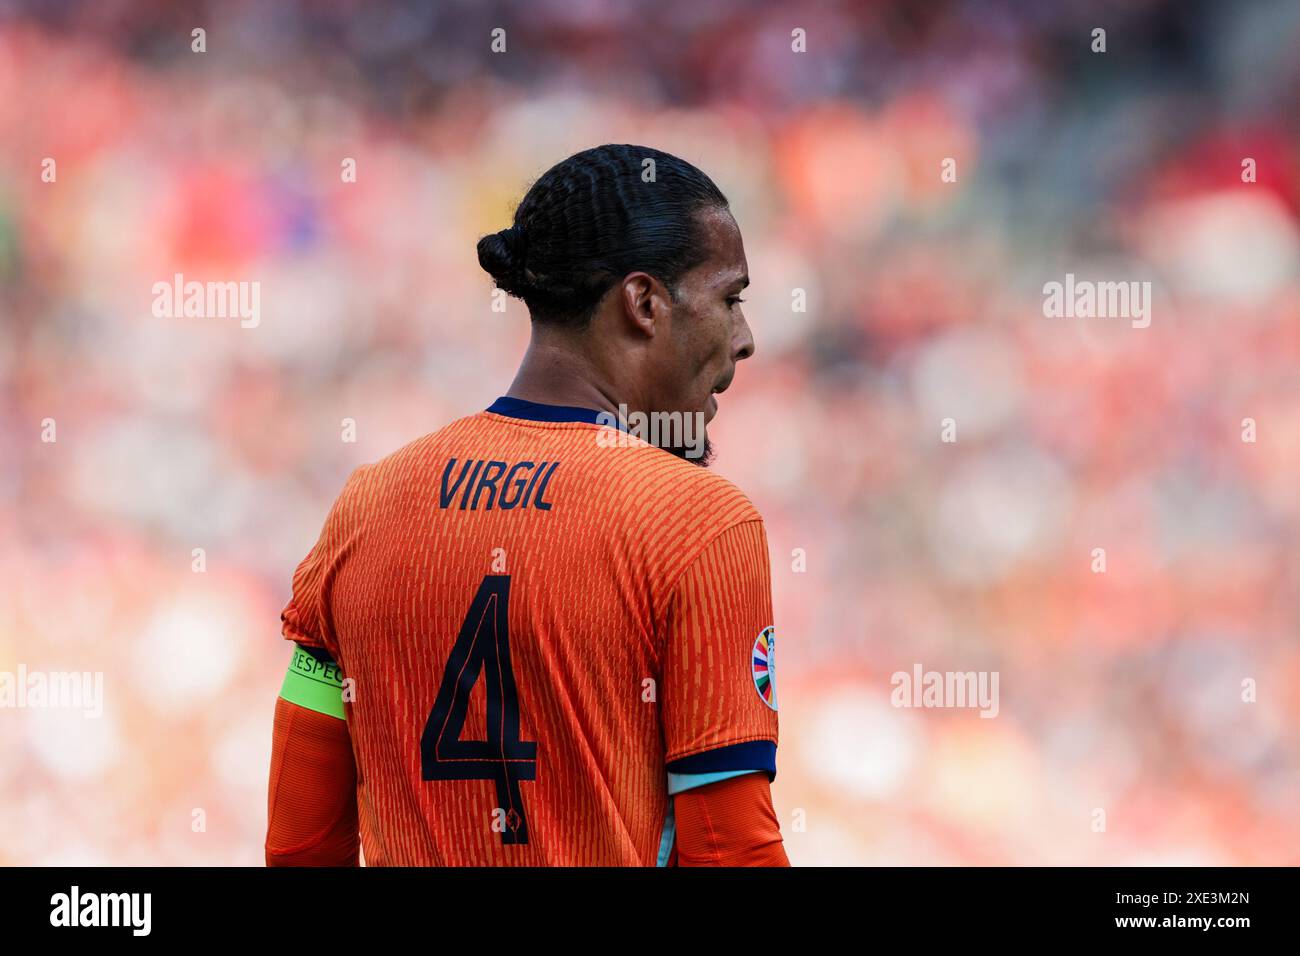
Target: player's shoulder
[[679, 476], [673, 489], [669, 511]]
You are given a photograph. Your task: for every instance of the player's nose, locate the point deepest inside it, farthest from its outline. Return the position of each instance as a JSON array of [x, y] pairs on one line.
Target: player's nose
[[744, 343]]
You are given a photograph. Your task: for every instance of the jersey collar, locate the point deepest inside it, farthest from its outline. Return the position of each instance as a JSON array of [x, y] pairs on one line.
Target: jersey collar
[[539, 412]]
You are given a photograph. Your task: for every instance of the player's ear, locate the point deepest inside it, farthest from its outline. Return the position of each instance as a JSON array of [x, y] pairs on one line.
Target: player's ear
[[646, 303]]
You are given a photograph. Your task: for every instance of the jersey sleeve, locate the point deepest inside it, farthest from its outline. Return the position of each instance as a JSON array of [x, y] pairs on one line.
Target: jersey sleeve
[[306, 619], [719, 694]]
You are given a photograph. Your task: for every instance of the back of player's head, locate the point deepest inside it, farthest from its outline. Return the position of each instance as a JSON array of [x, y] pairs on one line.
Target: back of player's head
[[592, 219]]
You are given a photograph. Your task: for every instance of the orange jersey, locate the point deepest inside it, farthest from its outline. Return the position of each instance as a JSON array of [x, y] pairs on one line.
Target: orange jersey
[[539, 620]]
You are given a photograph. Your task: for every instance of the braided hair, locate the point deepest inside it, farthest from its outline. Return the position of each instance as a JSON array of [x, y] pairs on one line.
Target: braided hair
[[592, 219]]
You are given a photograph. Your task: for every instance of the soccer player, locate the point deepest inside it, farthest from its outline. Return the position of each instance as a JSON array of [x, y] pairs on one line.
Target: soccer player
[[532, 638]]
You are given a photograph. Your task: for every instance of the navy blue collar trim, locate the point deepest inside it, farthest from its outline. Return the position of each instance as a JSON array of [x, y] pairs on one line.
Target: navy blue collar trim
[[538, 412]]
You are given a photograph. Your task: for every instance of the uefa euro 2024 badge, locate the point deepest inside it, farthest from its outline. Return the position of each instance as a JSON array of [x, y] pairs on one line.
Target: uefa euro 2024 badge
[[763, 665]]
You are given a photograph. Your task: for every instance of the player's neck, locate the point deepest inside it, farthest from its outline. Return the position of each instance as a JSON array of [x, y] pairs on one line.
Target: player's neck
[[554, 374]]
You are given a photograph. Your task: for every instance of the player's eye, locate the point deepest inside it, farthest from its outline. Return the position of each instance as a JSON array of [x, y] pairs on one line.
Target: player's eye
[[734, 300]]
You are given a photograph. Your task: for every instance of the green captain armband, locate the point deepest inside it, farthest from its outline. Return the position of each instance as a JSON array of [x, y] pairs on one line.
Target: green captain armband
[[314, 681]]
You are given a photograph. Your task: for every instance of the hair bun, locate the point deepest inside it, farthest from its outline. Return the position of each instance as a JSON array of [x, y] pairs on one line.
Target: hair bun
[[502, 256]]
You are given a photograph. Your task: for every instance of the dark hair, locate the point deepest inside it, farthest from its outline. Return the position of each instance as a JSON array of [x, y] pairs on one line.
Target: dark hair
[[592, 219]]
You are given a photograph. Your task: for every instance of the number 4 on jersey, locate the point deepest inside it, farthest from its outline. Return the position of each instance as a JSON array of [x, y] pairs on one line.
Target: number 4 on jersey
[[482, 647]]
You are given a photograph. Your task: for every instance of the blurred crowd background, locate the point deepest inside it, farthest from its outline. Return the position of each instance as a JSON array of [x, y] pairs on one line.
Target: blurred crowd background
[[1119, 691]]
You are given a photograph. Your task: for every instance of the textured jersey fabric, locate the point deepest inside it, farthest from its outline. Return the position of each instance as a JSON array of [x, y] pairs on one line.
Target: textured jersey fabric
[[537, 623]]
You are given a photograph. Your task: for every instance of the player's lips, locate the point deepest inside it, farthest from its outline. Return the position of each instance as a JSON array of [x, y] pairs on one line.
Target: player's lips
[[718, 389]]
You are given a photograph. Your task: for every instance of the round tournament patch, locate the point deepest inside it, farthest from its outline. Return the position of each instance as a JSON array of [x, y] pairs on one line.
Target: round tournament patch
[[763, 663]]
